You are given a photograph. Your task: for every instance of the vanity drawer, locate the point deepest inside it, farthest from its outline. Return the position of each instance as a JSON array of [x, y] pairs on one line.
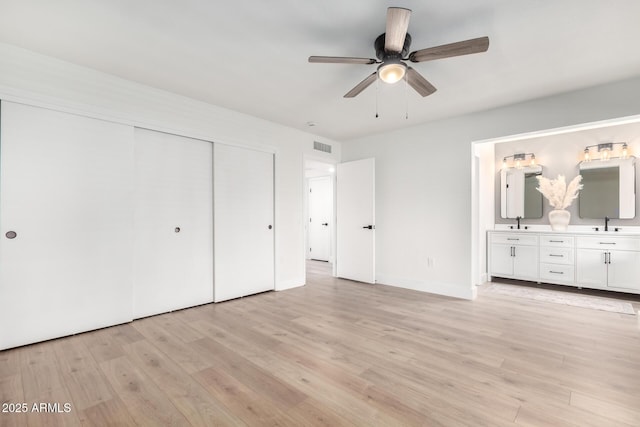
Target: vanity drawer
[[514, 239], [556, 255], [556, 241], [609, 242], [557, 273]]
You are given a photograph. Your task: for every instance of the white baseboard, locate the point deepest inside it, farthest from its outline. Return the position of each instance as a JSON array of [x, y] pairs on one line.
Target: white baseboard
[[454, 290]]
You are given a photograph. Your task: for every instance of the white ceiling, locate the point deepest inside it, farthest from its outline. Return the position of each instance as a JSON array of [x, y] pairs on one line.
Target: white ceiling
[[251, 56]]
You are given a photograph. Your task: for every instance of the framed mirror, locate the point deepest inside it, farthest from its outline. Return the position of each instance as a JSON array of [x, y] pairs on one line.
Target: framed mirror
[[608, 189], [518, 194]]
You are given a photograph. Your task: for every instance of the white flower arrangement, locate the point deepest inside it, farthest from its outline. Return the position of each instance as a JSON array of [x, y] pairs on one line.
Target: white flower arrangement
[[558, 193]]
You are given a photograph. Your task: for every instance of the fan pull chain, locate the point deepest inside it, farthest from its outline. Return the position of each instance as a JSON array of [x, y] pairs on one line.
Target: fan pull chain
[[377, 83], [406, 93]]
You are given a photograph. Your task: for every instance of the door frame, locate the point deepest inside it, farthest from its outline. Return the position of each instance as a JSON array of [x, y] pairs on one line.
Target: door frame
[[305, 211]]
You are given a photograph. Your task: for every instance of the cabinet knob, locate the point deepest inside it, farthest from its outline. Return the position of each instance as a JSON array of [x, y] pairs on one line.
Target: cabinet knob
[[11, 234]]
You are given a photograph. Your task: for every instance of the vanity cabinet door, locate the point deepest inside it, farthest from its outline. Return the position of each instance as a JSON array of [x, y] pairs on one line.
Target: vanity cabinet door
[[525, 262], [624, 269], [501, 260], [591, 268]]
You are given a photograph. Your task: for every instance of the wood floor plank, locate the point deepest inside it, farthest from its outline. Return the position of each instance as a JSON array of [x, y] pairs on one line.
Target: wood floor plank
[[11, 394], [183, 354], [43, 384], [314, 414], [185, 393], [10, 362], [102, 345], [80, 373], [108, 413], [253, 408], [257, 379], [607, 409], [146, 403]]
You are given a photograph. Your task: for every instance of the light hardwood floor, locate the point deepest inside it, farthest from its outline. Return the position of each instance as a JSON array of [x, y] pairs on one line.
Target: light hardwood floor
[[337, 353]]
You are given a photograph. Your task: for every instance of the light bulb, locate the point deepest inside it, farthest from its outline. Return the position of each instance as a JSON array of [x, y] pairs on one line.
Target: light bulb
[[533, 161], [625, 151], [605, 155], [518, 164], [392, 72], [504, 163], [587, 156]]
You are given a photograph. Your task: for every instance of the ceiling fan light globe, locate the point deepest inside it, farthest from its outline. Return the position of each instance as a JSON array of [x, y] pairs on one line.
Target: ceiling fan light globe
[[392, 72]]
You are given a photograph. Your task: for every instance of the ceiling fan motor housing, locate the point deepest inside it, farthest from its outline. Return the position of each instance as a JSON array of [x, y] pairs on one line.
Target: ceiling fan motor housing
[[381, 54]]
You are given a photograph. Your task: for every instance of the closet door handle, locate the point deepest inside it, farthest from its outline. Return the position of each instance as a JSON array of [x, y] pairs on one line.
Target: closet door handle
[[11, 234]]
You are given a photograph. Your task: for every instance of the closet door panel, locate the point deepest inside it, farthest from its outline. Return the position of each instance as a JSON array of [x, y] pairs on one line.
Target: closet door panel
[[243, 222], [65, 191], [173, 222]]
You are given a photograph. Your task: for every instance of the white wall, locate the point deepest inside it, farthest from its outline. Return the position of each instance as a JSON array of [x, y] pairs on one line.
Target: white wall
[[38, 80], [423, 182]]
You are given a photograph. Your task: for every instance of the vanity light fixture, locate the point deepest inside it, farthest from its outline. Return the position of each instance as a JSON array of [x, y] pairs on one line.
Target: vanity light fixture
[[605, 151], [519, 160]]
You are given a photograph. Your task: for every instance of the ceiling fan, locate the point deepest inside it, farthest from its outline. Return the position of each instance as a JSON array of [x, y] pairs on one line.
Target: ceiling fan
[[392, 49]]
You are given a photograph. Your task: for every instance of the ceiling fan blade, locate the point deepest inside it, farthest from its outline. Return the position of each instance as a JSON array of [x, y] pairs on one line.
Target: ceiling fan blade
[[466, 47], [362, 85], [397, 25], [340, 60], [419, 83]]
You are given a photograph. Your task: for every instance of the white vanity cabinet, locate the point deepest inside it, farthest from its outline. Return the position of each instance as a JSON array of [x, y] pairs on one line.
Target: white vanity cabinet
[[514, 255], [609, 262], [597, 260]]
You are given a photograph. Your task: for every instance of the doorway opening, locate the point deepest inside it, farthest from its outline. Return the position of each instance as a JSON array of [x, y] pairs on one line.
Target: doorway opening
[[319, 218]]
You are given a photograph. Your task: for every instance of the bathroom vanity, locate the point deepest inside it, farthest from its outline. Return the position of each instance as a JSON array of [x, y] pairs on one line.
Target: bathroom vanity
[[597, 260]]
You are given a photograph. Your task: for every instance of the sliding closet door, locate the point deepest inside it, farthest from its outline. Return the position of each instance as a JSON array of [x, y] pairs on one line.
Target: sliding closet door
[[66, 224], [173, 243], [243, 222]]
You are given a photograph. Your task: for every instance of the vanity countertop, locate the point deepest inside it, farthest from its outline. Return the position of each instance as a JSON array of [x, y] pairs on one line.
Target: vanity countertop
[[624, 231]]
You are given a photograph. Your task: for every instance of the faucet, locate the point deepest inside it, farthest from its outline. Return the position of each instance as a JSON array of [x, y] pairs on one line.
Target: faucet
[[518, 219], [606, 223]]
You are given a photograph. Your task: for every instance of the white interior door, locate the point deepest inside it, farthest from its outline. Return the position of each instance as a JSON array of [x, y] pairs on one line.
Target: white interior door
[[320, 210], [66, 213], [173, 223], [356, 220], [243, 222]]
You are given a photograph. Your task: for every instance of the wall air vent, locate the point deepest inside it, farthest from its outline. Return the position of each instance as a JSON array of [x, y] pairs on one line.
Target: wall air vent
[[321, 147]]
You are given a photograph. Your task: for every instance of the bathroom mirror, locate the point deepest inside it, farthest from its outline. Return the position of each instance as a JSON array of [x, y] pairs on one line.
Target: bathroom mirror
[[518, 194], [608, 189]]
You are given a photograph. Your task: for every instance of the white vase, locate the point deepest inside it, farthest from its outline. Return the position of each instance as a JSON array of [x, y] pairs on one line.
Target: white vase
[[559, 219]]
